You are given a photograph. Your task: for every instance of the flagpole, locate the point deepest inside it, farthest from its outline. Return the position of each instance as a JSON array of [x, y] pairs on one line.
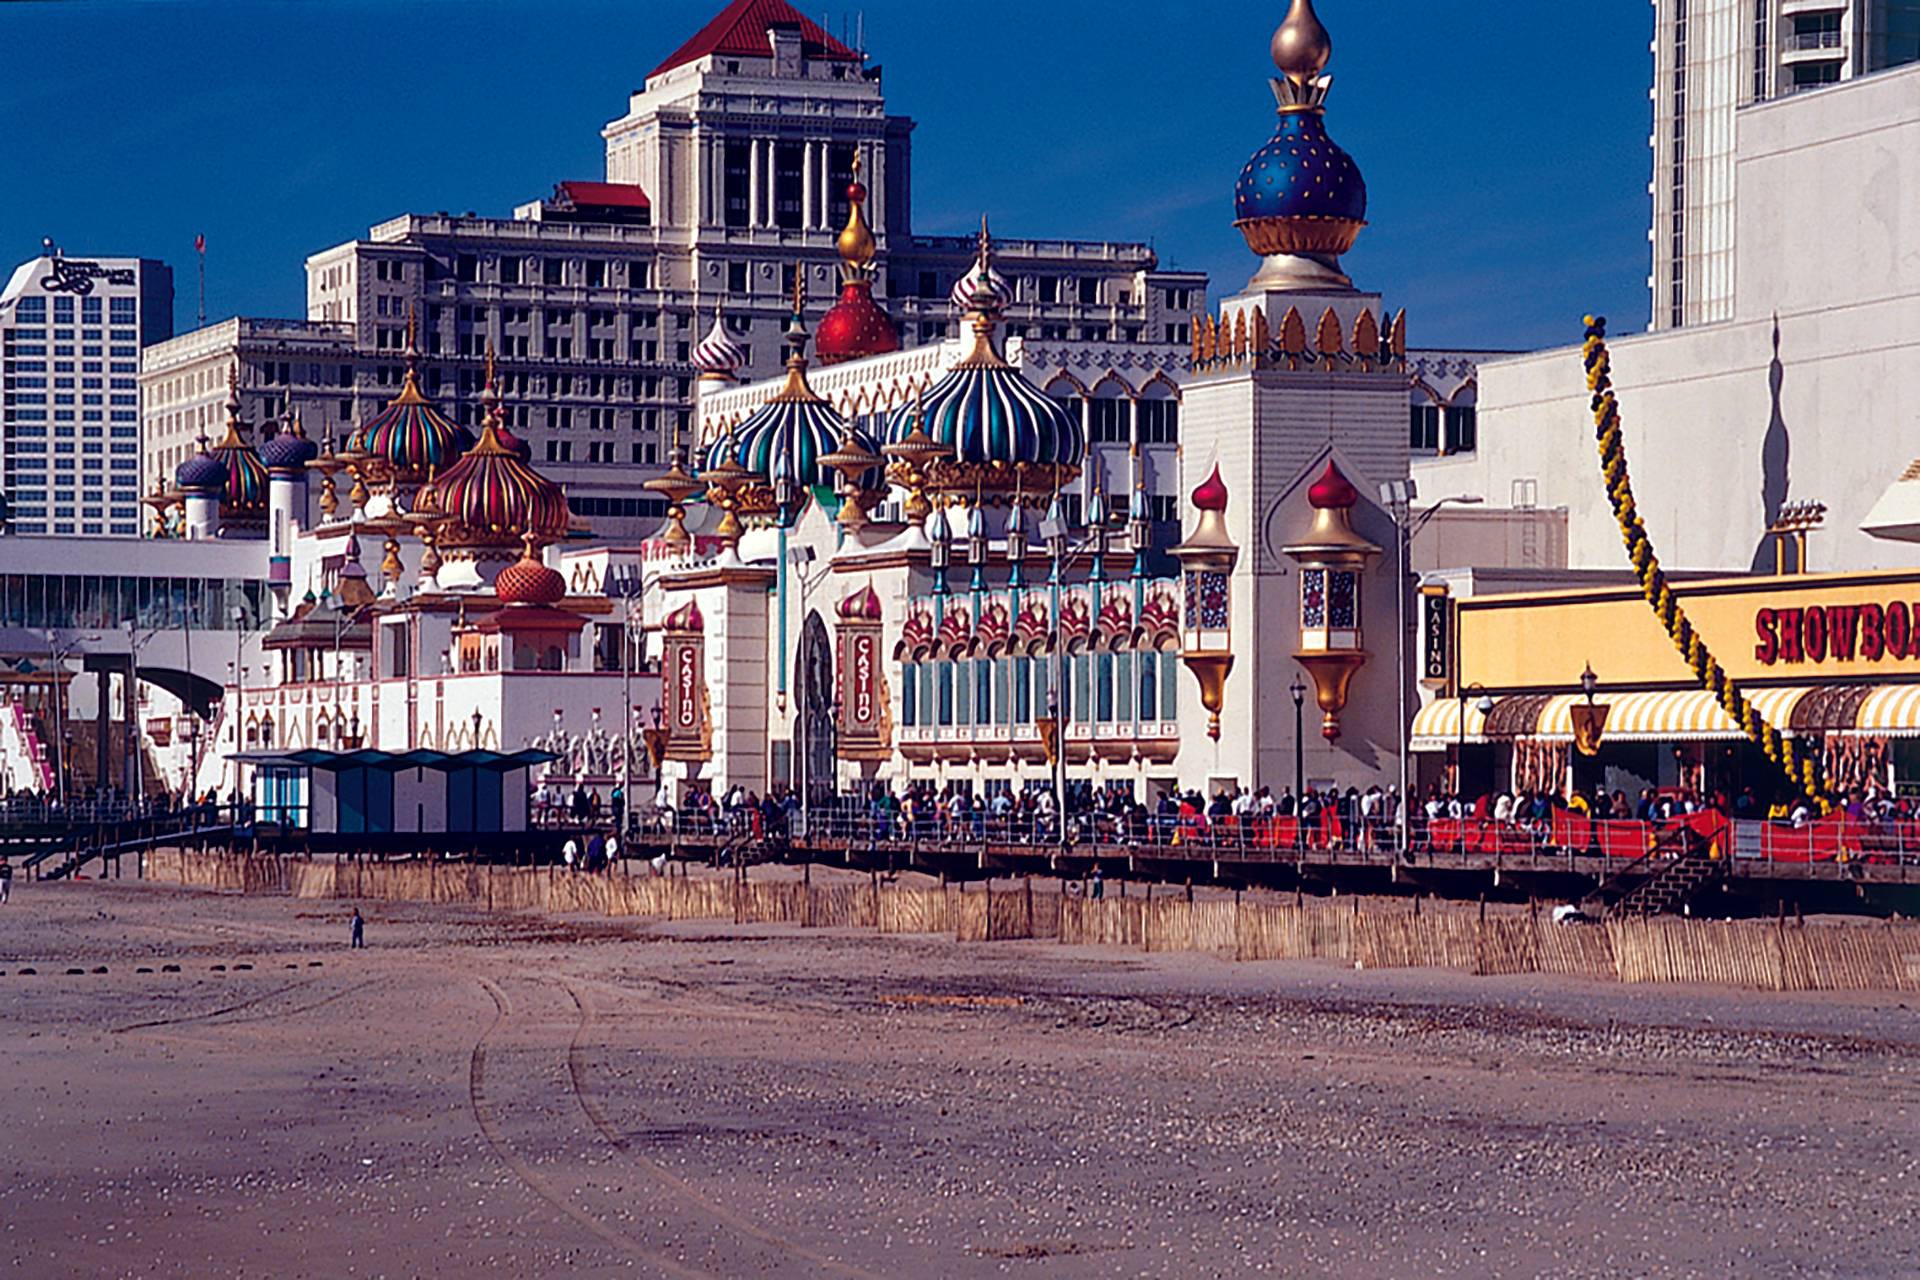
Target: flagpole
[[200, 251]]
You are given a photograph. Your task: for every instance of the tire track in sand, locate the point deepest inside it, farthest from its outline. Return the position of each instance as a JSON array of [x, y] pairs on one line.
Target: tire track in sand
[[725, 1217], [488, 1120]]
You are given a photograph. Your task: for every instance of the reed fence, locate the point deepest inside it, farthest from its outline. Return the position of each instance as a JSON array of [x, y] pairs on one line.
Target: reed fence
[[1764, 955]]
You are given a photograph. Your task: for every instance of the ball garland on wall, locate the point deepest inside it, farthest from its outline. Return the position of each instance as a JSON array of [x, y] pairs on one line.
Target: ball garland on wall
[[1803, 771]]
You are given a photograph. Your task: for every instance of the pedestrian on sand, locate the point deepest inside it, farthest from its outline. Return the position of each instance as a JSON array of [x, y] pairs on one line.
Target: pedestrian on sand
[[1099, 885], [359, 941], [6, 880]]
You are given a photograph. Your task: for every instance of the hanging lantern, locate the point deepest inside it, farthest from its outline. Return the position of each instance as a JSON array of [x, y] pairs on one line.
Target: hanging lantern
[[1332, 559], [1207, 559]]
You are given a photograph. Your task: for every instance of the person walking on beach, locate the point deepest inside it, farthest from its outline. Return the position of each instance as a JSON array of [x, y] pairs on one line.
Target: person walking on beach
[[6, 881], [359, 941]]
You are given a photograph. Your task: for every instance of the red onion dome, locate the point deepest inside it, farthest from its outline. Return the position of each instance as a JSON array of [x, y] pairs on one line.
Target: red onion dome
[[491, 497], [1212, 494], [529, 581], [862, 606], [1332, 491], [855, 327]]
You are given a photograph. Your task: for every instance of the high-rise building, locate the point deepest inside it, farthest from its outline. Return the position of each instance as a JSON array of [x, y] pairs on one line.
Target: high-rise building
[[71, 330], [1710, 59], [728, 173]]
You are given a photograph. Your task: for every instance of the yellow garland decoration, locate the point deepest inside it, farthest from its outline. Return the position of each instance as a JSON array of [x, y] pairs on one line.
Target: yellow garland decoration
[[1802, 771]]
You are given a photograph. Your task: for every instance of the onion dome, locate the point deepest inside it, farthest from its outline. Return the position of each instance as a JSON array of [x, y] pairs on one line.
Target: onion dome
[[856, 326], [862, 606], [719, 357], [982, 287], [1332, 490], [202, 473], [1212, 493], [999, 431], [528, 581], [289, 451], [788, 437], [492, 498], [1300, 193], [244, 493], [409, 439]]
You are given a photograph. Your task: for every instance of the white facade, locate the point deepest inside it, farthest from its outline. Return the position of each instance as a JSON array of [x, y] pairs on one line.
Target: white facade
[[71, 330], [1712, 58], [1806, 393]]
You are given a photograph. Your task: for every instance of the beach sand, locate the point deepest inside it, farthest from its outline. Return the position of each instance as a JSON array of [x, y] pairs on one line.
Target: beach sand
[[524, 1095]]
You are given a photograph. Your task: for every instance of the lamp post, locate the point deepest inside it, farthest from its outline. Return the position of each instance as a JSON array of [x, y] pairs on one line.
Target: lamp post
[[1483, 706], [1398, 497], [1299, 691], [136, 767], [1056, 534]]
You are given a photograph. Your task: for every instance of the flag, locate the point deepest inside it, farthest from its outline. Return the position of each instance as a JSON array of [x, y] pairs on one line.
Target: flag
[[199, 244]]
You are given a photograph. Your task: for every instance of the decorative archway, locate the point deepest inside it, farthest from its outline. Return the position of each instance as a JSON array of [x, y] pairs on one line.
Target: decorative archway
[[816, 743]]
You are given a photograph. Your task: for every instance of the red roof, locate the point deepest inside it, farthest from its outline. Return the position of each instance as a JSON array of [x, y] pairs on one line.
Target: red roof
[[618, 195], [741, 30]]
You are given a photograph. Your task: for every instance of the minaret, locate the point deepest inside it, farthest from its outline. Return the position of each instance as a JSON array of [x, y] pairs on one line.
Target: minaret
[[1297, 368], [201, 480], [286, 456]]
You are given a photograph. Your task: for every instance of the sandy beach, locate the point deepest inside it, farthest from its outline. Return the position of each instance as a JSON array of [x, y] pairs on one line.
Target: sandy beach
[[525, 1095]]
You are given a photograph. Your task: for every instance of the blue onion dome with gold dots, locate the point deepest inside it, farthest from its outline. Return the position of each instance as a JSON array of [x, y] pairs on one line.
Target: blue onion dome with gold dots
[[409, 439], [1300, 193], [289, 450], [999, 433], [789, 434]]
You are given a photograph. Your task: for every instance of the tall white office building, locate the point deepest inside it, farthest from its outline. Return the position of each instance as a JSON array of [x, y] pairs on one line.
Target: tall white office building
[[71, 330], [1710, 59]]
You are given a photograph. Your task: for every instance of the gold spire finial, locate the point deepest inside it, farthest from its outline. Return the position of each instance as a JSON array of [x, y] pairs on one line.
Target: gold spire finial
[[856, 243], [1301, 47]]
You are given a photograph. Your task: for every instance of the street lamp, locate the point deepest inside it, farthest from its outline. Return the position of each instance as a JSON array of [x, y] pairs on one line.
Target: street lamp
[[1299, 691], [1398, 497], [59, 657], [1055, 533]]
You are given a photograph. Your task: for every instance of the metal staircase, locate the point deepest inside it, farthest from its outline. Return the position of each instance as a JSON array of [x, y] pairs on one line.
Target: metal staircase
[[1666, 879]]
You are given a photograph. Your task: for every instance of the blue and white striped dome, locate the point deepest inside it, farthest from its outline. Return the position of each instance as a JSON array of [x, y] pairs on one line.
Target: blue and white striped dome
[[791, 433], [987, 414]]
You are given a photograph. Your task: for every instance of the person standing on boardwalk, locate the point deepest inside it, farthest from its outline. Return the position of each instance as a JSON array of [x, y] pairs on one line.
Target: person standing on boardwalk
[[359, 941]]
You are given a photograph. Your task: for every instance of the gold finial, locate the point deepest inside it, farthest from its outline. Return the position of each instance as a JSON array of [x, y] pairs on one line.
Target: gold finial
[[1301, 47], [799, 289], [856, 242], [413, 332]]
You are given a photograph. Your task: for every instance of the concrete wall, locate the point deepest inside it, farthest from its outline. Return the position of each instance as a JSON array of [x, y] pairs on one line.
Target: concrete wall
[[1809, 394]]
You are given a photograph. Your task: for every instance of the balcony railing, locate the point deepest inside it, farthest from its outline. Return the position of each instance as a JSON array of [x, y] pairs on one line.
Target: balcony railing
[[1806, 41]]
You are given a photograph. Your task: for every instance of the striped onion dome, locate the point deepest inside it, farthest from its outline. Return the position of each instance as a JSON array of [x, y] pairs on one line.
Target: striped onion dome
[[243, 495], [788, 435], [491, 498], [1001, 432], [968, 297], [409, 439], [719, 357]]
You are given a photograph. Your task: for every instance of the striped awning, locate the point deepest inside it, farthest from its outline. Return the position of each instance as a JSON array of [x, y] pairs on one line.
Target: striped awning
[[1893, 711], [1678, 715], [1438, 725]]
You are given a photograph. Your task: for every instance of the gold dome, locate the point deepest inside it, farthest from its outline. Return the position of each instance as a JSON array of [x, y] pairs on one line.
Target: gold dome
[[1301, 47]]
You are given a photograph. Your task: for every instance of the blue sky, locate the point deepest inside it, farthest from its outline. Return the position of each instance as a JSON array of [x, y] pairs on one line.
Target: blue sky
[[1504, 144]]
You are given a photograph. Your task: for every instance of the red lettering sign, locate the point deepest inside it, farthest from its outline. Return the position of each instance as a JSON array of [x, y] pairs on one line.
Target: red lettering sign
[[1767, 652]]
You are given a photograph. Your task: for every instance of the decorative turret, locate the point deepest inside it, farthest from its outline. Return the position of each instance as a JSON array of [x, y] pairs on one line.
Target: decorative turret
[[792, 433], [409, 439], [719, 357], [201, 479], [856, 326], [286, 456], [1300, 201], [1207, 559], [1332, 557], [999, 432]]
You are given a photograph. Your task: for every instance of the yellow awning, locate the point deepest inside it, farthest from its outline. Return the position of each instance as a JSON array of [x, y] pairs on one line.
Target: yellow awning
[[1437, 726], [1894, 710], [1678, 715]]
